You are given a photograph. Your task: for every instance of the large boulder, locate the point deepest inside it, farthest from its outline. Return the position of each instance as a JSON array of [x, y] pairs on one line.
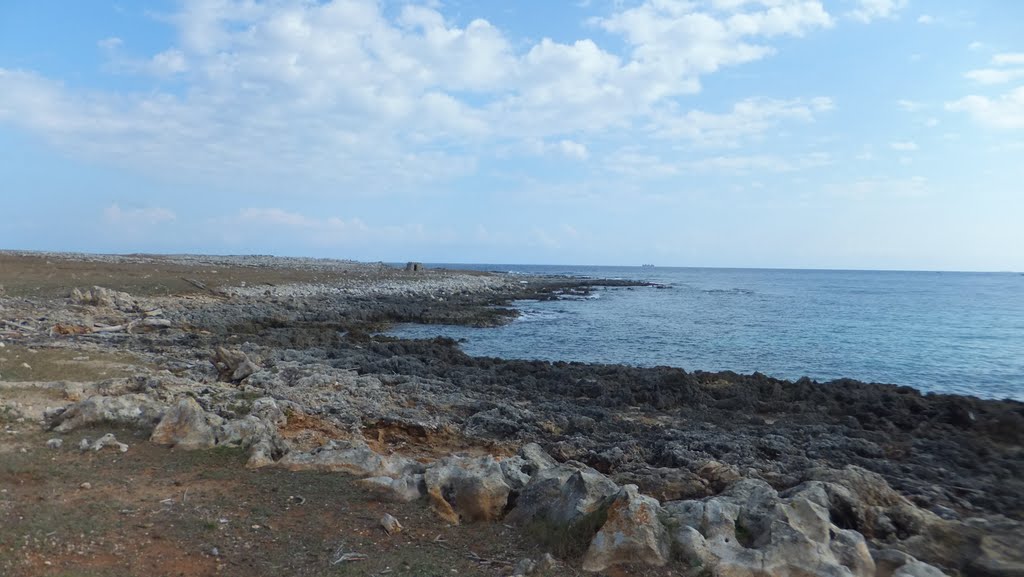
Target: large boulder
[[134, 410], [468, 489], [631, 533], [562, 495], [187, 426], [749, 531], [354, 457]]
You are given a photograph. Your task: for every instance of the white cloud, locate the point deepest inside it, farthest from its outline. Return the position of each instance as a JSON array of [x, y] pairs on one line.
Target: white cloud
[[925, 19], [1008, 59], [1005, 112], [905, 146], [749, 118], [116, 215], [346, 94], [975, 46], [995, 75], [648, 165], [869, 10], [760, 163], [1001, 74]]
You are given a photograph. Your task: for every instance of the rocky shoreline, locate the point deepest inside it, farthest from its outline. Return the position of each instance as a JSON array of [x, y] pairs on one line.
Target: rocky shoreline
[[613, 468]]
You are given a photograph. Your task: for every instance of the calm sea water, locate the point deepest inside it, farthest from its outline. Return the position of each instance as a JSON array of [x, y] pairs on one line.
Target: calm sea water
[[943, 332]]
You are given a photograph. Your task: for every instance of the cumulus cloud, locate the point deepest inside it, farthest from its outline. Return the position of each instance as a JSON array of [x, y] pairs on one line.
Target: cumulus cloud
[[344, 93], [995, 75], [1008, 67], [869, 10], [1004, 112]]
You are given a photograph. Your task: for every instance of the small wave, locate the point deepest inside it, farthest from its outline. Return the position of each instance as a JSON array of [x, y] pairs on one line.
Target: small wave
[[534, 316], [732, 291]]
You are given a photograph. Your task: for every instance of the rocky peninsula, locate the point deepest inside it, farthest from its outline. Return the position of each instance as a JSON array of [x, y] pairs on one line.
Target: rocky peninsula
[[200, 415]]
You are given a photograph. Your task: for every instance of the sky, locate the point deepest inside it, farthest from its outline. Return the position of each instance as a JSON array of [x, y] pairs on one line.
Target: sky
[[874, 134]]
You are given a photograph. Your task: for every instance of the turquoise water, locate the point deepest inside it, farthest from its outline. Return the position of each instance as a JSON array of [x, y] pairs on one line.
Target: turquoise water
[[936, 331]]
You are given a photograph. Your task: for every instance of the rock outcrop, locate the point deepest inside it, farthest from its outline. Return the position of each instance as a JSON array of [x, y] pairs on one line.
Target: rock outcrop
[[134, 410], [750, 530], [98, 296], [352, 457], [468, 489], [186, 426], [561, 496], [631, 533]]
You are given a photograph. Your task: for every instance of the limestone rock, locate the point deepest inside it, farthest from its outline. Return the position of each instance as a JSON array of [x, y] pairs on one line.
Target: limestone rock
[[232, 366], [893, 563], [750, 531], [352, 457], [405, 489], [186, 426], [562, 495], [536, 458], [530, 460], [134, 410], [719, 476], [108, 440], [102, 297], [467, 489], [632, 533], [259, 435], [54, 443], [666, 483], [267, 409]]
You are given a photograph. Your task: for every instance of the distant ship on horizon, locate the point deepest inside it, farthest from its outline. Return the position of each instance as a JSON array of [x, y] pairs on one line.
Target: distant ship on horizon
[[647, 266]]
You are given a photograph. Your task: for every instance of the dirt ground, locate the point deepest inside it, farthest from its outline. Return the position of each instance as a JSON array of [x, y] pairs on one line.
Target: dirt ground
[[155, 511]]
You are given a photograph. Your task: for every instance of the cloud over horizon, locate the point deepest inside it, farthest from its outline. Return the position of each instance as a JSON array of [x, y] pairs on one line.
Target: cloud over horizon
[[453, 110]]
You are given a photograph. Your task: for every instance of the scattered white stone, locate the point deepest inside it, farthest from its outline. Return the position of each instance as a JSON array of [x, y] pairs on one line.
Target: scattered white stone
[[55, 443], [108, 440], [86, 485]]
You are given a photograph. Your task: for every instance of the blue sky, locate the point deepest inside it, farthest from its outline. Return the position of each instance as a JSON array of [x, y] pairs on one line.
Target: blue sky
[[764, 133]]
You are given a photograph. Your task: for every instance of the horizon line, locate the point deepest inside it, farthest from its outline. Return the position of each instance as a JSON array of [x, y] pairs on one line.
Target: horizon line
[[497, 264]]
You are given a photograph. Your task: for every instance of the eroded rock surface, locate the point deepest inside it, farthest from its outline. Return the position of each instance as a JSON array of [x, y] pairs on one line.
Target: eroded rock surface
[[631, 533], [750, 530]]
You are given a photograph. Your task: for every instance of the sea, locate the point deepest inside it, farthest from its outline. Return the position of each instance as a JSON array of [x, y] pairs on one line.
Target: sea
[[942, 332]]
